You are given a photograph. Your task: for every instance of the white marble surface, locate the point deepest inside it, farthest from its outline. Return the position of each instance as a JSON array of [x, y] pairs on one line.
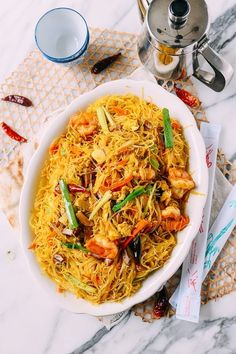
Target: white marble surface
[[29, 323]]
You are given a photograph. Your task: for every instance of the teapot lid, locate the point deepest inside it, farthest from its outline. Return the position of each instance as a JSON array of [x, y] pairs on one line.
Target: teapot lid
[[177, 23]]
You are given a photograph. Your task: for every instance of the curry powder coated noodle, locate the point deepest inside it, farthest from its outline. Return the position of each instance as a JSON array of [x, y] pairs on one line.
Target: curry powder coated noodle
[[110, 199]]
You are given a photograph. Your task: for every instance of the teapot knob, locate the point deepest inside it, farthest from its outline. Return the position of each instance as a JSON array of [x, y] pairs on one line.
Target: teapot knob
[[178, 13]]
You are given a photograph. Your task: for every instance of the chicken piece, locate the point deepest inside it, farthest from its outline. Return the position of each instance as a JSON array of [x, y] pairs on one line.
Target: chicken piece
[[175, 225], [85, 123], [102, 247], [145, 174], [180, 179], [124, 229], [99, 155], [82, 202], [166, 195], [111, 232], [171, 212]]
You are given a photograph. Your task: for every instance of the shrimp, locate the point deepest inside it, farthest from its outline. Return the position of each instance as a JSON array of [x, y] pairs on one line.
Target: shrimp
[[86, 124], [171, 212], [102, 247], [175, 225], [178, 193], [180, 179]]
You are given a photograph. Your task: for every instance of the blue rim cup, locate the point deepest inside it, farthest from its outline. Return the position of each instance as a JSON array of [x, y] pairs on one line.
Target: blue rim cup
[[62, 36]]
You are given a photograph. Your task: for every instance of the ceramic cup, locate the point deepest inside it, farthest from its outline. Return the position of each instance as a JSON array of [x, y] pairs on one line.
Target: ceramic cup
[[62, 36]]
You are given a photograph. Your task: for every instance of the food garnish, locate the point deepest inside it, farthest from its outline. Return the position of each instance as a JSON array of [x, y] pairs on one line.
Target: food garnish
[[23, 101], [109, 118], [139, 227], [118, 185], [138, 191], [73, 223], [12, 133], [75, 246], [102, 119], [73, 188], [189, 99], [80, 284], [106, 197], [168, 134], [155, 164], [161, 305], [135, 247], [104, 63]]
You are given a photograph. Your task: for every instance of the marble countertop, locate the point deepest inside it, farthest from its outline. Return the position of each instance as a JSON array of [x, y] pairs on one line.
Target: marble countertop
[[29, 323]]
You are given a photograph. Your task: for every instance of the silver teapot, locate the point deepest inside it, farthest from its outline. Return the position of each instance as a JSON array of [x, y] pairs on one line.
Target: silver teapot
[[173, 43]]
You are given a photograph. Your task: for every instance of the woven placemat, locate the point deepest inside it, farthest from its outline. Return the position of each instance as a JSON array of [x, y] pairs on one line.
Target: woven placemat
[[52, 87]]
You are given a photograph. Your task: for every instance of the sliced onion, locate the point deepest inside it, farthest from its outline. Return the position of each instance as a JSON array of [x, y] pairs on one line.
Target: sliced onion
[[67, 232]]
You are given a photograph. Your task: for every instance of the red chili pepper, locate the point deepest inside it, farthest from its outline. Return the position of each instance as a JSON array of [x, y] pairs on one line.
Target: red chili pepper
[[161, 305], [73, 188], [12, 134], [104, 63], [187, 97], [23, 101]]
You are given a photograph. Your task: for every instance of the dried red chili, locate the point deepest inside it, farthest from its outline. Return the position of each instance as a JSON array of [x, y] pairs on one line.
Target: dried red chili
[[12, 134], [104, 63], [161, 305], [23, 101], [187, 97]]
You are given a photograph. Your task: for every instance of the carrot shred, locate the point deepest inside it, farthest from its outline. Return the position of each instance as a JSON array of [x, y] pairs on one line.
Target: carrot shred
[[139, 227], [32, 246], [60, 289], [118, 185], [122, 162], [175, 125], [119, 110], [123, 150]]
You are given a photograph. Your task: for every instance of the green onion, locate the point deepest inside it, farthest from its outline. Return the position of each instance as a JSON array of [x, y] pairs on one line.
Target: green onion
[[109, 118], [148, 189], [153, 148], [154, 163], [75, 246], [168, 134], [150, 199], [131, 196], [107, 196], [81, 284], [102, 119], [68, 205], [63, 151]]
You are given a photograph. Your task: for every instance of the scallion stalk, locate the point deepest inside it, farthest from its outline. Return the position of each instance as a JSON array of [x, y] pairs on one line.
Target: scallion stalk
[[168, 133], [68, 205]]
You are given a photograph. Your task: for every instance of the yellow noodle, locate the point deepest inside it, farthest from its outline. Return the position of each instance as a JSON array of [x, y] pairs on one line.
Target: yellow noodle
[[138, 124]]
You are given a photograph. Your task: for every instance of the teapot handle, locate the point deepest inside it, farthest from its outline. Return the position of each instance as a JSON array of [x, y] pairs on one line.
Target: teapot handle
[[223, 71]]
